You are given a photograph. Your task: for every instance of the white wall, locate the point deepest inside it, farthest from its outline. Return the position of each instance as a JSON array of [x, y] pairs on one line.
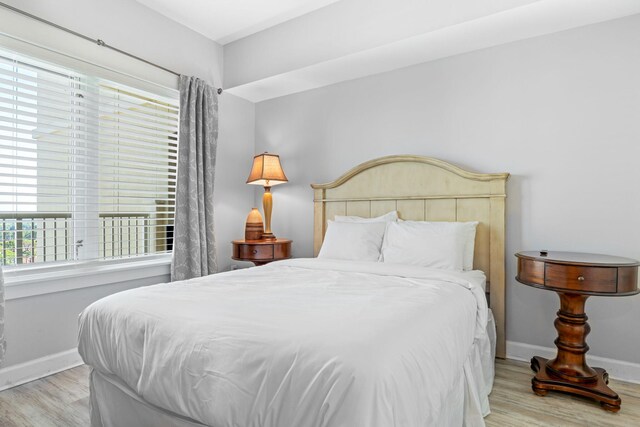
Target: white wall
[[130, 26], [233, 198], [559, 112], [43, 325]]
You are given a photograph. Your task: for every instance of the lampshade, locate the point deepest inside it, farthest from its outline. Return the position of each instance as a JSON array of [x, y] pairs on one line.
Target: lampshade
[[266, 171]]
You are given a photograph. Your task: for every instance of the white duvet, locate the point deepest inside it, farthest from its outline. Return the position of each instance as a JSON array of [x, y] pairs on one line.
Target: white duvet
[[299, 343]]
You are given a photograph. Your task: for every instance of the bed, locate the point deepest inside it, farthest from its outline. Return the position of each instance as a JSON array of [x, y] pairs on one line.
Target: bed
[[316, 342]]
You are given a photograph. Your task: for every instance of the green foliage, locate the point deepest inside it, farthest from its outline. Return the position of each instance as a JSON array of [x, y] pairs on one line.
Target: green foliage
[[8, 245]]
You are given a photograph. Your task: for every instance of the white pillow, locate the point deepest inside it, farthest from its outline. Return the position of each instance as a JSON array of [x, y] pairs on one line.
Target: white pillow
[[469, 243], [353, 241], [428, 244], [391, 216]]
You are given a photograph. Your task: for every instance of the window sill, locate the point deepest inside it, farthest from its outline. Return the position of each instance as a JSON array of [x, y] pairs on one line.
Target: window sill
[[27, 282]]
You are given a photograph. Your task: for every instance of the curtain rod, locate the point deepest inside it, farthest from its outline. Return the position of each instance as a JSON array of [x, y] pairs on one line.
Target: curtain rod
[[99, 42]]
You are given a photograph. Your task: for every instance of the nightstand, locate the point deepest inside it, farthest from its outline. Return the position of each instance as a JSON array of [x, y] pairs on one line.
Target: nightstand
[[261, 252], [575, 277]]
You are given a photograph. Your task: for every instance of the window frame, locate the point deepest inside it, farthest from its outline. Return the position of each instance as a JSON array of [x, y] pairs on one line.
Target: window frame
[[34, 279], [53, 46]]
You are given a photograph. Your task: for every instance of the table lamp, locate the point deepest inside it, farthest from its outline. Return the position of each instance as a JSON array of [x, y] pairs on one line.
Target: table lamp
[[267, 171]]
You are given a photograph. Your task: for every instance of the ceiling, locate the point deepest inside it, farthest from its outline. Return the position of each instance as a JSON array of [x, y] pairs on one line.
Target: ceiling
[[225, 21], [301, 55], [274, 48]]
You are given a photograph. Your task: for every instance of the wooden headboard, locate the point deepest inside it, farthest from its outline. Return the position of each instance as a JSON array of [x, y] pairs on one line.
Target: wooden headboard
[[426, 189]]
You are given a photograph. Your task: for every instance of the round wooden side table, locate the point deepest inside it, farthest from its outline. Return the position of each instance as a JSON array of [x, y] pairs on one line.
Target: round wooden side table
[[261, 252], [575, 277]]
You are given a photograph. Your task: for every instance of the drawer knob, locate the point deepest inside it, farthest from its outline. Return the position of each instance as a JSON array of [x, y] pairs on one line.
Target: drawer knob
[[581, 278], [255, 251]]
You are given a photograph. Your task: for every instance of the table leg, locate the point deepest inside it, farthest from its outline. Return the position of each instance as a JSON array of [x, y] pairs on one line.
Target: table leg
[[569, 371]]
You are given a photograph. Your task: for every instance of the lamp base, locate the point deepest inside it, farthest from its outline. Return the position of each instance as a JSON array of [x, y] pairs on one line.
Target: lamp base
[[267, 205]]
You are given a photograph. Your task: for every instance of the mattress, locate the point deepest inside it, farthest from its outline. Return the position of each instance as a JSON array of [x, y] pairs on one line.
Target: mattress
[[303, 342]]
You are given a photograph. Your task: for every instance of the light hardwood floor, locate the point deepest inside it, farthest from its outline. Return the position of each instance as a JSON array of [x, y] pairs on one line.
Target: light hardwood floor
[[63, 400], [57, 400], [513, 403]]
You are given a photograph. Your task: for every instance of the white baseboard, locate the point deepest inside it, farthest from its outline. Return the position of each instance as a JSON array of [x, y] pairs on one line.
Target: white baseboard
[[617, 369], [21, 373]]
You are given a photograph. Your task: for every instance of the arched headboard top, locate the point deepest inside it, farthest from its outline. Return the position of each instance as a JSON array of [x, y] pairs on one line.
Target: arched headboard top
[[415, 159], [426, 189], [414, 177]]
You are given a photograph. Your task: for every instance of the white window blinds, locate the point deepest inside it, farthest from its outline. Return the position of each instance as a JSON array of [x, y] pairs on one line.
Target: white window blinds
[[87, 166]]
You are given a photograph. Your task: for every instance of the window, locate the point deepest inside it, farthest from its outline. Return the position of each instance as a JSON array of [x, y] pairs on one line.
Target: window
[[87, 166]]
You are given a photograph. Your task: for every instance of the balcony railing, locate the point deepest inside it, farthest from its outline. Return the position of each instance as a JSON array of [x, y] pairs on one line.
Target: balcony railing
[[124, 234], [28, 237]]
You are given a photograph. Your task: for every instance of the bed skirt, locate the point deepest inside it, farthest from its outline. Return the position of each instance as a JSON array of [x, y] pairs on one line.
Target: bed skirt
[[113, 404]]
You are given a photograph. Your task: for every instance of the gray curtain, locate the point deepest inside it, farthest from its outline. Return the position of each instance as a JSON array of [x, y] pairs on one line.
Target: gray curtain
[[194, 252], [3, 344]]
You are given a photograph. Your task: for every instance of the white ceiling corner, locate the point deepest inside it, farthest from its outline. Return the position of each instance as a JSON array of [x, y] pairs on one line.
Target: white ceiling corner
[[225, 21]]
